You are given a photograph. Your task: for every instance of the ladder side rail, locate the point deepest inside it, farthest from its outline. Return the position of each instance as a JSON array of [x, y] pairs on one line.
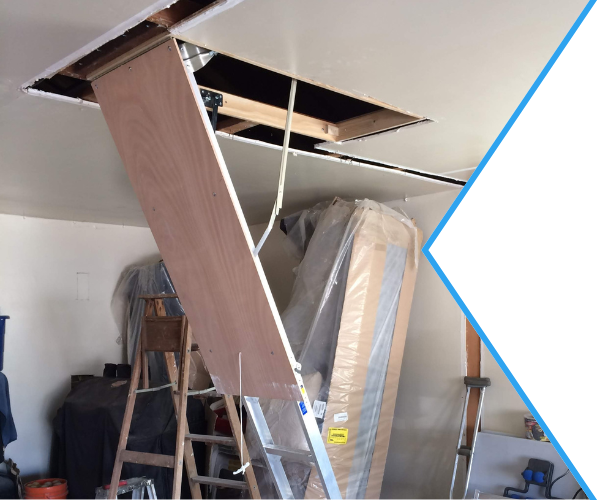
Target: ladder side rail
[[188, 451], [181, 409], [273, 462], [135, 380], [475, 434], [317, 448], [234, 421], [460, 438]]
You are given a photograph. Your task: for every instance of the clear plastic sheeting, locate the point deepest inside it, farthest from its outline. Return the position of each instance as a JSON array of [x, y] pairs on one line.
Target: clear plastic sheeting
[[128, 310], [346, 323]]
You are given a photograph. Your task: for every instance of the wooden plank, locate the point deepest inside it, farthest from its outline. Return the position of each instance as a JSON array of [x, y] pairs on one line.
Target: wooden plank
[[133, 385], [227, 441], [220, 483], [181, 408], [272, 116], [234, 125], [162, 334], [152, 459], [371, 123], [174, 13], [127, 56], [188, 451], [176, 169], [234, 421], [145, 368], [115, 49], [473, 347]]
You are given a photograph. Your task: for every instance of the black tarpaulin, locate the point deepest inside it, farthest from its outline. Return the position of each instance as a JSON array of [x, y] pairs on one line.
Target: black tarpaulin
[[87, 429]]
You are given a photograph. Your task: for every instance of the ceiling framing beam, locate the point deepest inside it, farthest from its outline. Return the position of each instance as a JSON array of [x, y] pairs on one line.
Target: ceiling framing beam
[[249, 113], [234, 125], [372, 123]]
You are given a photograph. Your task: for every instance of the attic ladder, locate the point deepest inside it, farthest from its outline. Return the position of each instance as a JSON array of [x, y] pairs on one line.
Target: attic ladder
[[158, 120]]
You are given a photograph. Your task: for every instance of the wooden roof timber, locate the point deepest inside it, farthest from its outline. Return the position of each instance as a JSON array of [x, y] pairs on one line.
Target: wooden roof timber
[[252, 113]]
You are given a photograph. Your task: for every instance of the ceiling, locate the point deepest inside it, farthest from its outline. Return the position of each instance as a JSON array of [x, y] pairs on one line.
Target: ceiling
[[85, 180], [465, 64]]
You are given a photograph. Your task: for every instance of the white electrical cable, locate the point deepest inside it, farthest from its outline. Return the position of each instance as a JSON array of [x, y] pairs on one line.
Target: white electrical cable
[[244, 466], [282, 168]]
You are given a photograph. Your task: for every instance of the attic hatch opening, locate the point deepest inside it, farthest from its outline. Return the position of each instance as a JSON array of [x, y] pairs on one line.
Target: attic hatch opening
[[255, 97], [255, 100]]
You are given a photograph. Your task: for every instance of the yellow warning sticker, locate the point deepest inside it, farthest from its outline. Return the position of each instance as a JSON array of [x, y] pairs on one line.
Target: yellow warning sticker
[[337, 435]]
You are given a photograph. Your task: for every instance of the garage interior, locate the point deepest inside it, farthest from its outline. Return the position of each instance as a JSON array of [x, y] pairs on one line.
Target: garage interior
[[217, 208]]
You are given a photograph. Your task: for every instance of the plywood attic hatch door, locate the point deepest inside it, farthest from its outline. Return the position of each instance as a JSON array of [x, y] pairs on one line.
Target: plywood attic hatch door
[[175, 165]]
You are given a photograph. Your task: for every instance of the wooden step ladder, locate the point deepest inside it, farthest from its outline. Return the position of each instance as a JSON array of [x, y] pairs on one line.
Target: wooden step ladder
[[171, 334]]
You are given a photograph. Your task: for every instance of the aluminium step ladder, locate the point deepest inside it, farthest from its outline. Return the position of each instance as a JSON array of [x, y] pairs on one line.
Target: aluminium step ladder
[[136, 486], [463, 450], [272, 453]]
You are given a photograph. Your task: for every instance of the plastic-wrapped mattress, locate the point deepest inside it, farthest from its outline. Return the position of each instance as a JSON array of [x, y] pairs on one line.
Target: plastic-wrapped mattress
[[347, 322]]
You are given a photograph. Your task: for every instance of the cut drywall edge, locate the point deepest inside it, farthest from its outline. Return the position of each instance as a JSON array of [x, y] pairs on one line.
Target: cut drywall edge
[[204, 15], [126, 25], [396, 169], [61, 98], [291, 74], [407, 170], [460, 170], [389, 168], [101, 40]]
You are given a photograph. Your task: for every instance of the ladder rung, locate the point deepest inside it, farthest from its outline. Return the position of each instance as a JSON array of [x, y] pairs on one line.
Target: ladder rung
[[229, 441], [465, 451], [291, 453], [154, 459], [222, 483]]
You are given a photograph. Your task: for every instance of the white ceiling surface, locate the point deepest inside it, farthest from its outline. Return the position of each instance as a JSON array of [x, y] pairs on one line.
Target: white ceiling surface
[[58, 160], [35, 34], [310, 179], [464, 63]]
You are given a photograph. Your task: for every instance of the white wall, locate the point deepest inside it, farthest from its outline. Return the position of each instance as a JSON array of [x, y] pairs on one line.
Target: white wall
[[499, 461], [51, 335], [503, 408], [276, 263], [430, 394]]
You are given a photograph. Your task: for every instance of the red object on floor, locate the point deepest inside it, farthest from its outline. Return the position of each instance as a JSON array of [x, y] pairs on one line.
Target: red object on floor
[[58, 491]]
